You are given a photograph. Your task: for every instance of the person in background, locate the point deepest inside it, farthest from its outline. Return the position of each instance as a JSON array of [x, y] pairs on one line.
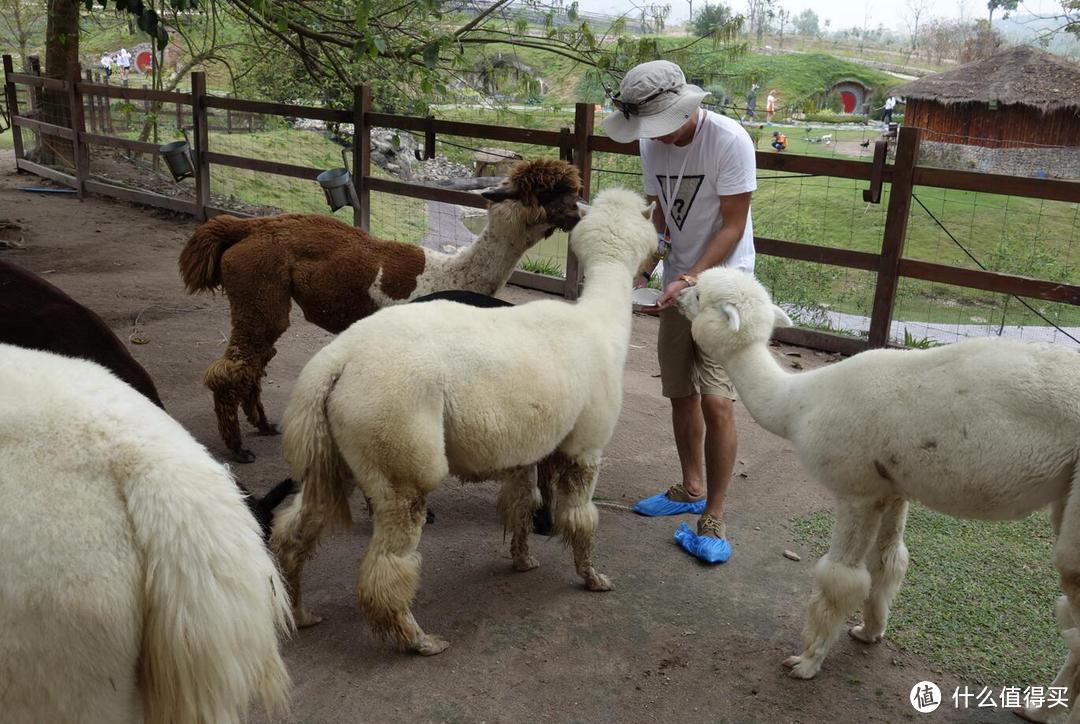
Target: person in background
[[770, 105], [123, 59], [779, 141], [886, 113], [699, 167], [106, 63], [751, 103]]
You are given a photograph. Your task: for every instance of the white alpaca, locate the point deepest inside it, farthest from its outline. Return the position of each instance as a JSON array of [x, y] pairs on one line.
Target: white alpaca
[[134, 583], [987, 428], [414, 393]]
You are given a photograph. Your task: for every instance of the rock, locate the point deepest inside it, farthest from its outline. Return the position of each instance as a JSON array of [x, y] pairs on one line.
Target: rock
[[792, 555]]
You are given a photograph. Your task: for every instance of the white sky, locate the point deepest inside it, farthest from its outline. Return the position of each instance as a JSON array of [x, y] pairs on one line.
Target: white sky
[[843, 13]]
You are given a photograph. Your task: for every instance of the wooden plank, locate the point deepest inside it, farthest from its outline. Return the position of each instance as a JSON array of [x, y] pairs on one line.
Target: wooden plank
[[892, 246], [469, 130], [329, 115], [147, 198], [133, 94], [38, 81], [819, 166], [848, 258], [11, 93], [212, 211], [824, 341], [361, 156], [52, 174], [198, 100], [430, 193], [80, 155], [603, 144], [539, 282], [584, 121], [307, 173], [42, 127], [991, 281], [116, 142], [1035, 188]]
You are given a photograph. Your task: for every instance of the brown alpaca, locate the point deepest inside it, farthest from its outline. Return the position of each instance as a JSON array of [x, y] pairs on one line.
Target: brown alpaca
[[339, 274]]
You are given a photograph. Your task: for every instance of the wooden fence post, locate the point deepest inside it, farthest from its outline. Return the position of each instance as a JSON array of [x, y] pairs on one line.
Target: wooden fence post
[[892, 245], [361, 156], [80, 151], [179, 116], [429, 138], [202, 142], [12, 96], [584, 119], [91, 105]]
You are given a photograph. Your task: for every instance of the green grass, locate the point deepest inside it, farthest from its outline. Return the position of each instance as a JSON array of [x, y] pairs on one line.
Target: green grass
[[978, 599], [6, 141], [392, 217]]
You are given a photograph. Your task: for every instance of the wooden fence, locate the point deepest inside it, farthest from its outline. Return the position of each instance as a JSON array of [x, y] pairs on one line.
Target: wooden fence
[[576, 145]]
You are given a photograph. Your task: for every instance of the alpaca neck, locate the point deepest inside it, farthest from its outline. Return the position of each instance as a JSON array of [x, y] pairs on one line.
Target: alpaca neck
[[486, 265], [606, 295], [763, 386]]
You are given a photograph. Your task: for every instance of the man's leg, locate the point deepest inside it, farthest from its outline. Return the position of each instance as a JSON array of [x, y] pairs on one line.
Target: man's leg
[[720, 450], [689, 426]]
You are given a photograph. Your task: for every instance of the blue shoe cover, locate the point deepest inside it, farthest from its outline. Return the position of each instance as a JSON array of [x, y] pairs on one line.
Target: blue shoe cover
[[703, 547], [661, 504]]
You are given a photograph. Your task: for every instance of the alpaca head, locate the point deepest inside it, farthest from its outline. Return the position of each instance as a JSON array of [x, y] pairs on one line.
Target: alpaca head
[[617, 226], [544, 192], [729, 309]]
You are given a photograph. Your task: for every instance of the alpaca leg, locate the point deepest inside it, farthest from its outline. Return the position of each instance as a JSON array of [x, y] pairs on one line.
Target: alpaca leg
[[576, 516], [1065, 522], [390, 570], [253, 406], [518, 499], [225, 378], [295, 532], [841, 582], [887, 561]]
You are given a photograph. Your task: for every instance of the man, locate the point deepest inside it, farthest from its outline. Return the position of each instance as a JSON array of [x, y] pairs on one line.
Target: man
[[886, 114], [700, 168], [123, 59], [751, 103], [779, 141]]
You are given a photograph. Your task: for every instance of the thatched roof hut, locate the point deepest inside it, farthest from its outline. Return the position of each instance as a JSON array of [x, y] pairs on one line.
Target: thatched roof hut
[[1018, 97]]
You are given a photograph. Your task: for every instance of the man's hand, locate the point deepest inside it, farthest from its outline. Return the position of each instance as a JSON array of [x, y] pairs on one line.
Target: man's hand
[[671, 294]]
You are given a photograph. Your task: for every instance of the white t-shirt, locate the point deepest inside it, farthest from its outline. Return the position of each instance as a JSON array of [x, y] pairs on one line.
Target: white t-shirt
[[890, 103], [720, 161]]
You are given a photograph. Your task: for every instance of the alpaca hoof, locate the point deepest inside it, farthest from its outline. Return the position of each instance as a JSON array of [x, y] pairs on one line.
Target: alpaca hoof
[[243, 456], [599, 582], [800, 668], [1039, 716], [859, 633], [270, 428], [429, 517], [526, 563], [430, 645], [305, 618]]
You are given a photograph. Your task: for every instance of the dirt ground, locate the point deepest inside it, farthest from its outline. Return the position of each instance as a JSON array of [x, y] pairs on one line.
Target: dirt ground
[[675, 641]]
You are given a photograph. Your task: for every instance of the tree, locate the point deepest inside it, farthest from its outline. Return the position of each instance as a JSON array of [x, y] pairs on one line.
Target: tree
[[1007, 5], [981, 43], [712, 18], [916, 9], [21, 22], [783, 16], [806, 23]]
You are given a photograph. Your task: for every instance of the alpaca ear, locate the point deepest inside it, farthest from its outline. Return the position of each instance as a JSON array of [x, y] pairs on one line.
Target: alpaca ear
[[583, 208], [501, 193], [732, 314], [648, 210], [781, 318]]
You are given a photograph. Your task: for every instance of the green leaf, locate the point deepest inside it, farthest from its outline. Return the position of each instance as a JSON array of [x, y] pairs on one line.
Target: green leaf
[[395, 142], [379, 43], [162, 37], [431, 55]]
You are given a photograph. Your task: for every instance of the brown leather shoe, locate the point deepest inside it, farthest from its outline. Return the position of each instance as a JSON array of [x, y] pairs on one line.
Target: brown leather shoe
[[712, 527], [679, 494]]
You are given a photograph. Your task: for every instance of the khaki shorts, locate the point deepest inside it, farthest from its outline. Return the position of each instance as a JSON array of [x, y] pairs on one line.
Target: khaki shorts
[[684, 368]]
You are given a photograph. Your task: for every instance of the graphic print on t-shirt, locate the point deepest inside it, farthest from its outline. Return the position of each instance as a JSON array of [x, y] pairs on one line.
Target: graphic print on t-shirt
[[684, 198]]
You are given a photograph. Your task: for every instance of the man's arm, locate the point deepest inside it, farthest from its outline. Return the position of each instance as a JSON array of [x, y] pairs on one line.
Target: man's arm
[[734, 209]]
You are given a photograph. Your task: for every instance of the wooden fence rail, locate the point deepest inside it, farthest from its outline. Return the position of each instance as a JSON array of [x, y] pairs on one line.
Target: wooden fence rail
[[576, 145]]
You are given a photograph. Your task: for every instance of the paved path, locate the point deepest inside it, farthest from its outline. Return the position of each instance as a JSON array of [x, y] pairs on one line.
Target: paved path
[[444, 227]]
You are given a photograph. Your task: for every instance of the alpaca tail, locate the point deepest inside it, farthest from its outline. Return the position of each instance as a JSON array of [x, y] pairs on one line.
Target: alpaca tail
[[200, 260], [263, 508], [214, 603], [308, 442]]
